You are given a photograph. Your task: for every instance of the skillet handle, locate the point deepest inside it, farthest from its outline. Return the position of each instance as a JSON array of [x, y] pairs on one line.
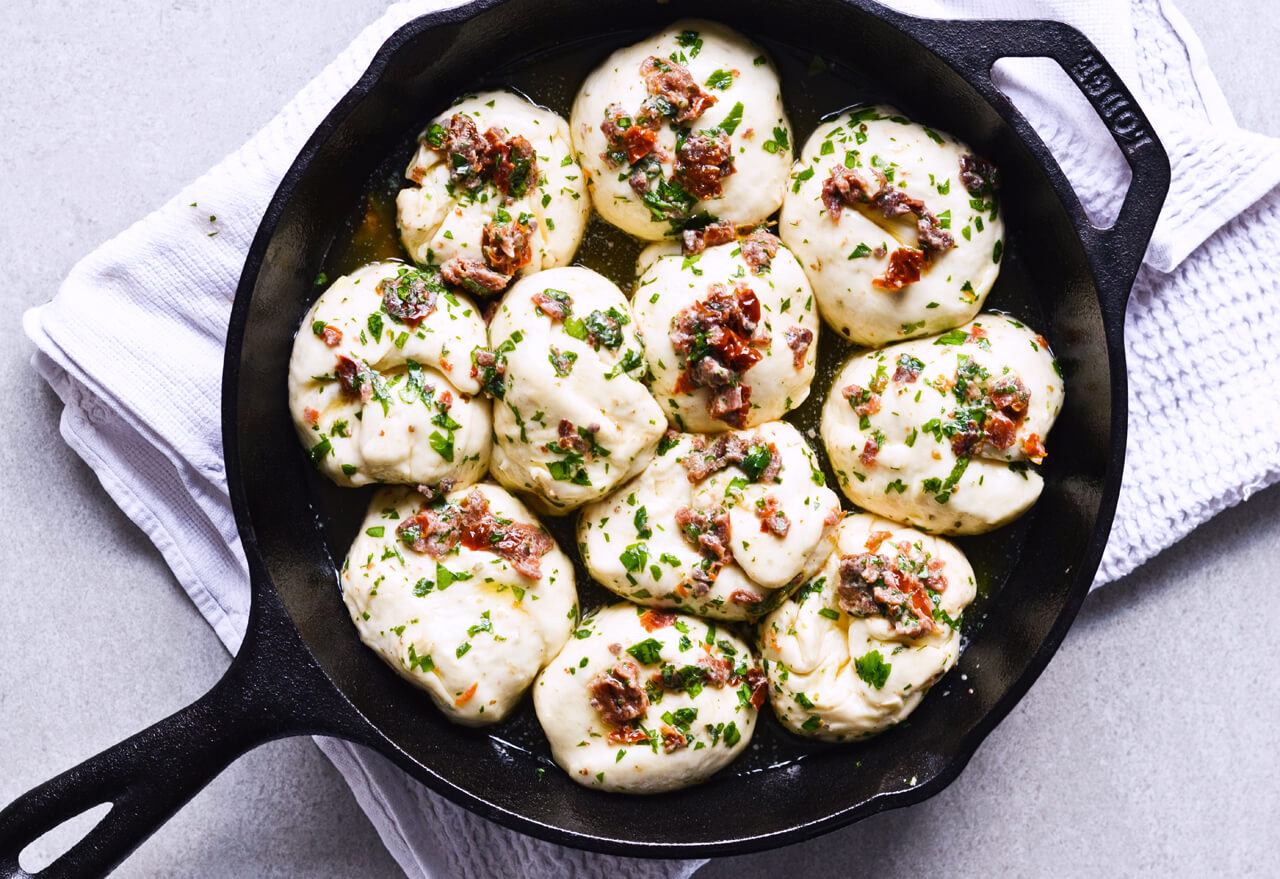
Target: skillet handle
[[273, 689], [973, 46]]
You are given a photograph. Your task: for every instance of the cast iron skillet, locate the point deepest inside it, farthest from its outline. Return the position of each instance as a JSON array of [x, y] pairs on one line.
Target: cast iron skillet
[[302, 669]]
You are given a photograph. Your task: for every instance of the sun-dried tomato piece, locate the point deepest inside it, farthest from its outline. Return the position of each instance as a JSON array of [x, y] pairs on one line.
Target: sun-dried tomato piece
[[875, 538], [655, 619], [628, 735], [873, 583], [758, 249], [514, 165], [930, 236], [978, 176], [708, 532], [410, 296], [798, 340], [1034, 448], [864, 401], [850, 186], [474, 276], [908, 369], [904, 268], [672, 739], [721, 337], [1008, 393], [855, 186], [506, 246], [355, 381], [666, 79], [695, 241], [716, 672], [869, 451], [520, 544], [618, 695], [638, 142], [758, 683], [999, 430], [571, 438], [702, 162], [728, 450], [556, 308], [465, 151], [894, 203], [431, 531], [772, 519]]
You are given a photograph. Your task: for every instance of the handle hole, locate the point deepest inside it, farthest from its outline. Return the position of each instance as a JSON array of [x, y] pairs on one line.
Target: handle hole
[[1073, 131], [55, 843]]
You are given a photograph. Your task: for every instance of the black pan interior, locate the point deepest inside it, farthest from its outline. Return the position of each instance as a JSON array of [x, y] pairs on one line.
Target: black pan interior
[[1034, 573]]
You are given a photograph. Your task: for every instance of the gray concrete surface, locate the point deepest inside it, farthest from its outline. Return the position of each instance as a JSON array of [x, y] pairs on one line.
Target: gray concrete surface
[[1146, 748]]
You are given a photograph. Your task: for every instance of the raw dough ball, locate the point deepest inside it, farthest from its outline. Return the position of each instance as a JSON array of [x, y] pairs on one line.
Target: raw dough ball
[[703, 79], [728, 543], [648, 701], [758, 317], [380, 387], [940, 433], [471, 624], [572, 420], [469, 186], [951, 236], [855, 650]]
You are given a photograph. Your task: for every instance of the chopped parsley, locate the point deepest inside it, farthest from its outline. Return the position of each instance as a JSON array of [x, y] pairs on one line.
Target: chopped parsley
[[873, 669], [562, 361], [647, 652], [668, 200], [446, 578], [485, 625], [779, 142], [757, 460], [442, 444], [320, 449], [641, 521], [954, 337], [943, 489], [733, 120], [721, 79], [630, 360], [634, 557], [598, 328], [690, 41], [422, 663]]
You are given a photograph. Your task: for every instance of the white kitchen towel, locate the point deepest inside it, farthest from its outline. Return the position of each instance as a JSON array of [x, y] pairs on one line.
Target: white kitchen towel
[[133, 341]]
